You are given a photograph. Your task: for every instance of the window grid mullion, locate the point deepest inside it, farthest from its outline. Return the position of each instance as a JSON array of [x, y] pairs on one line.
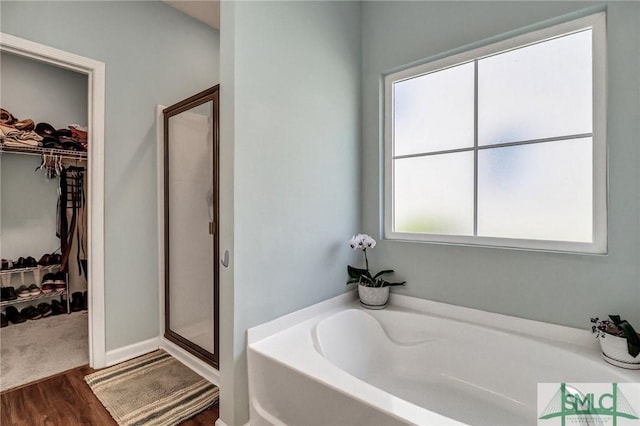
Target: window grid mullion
[[475, 148], [497, 145]]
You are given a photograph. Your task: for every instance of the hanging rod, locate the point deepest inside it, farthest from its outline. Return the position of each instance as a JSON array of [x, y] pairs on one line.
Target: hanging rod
[[35, 150]]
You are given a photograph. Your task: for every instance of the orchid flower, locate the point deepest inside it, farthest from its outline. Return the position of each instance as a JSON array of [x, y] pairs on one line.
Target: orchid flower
[[354, 242], [363, 276]]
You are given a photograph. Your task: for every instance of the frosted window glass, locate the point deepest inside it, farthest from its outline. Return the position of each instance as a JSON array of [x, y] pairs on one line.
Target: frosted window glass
[[540, 191], [434, 194], [434, 112], [535, 92]]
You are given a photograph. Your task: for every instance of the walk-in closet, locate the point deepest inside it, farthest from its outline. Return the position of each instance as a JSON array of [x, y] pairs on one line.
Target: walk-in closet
[[43, 220]]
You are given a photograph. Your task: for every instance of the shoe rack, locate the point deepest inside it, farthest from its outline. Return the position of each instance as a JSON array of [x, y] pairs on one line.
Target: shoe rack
[[37, 272], [6, 276]]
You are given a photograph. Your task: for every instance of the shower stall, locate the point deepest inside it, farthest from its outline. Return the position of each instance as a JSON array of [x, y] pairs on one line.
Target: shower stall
[[191, 224]]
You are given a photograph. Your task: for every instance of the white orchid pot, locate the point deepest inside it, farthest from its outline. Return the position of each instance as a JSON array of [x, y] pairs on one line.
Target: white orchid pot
[[373, 297], [615, 348]]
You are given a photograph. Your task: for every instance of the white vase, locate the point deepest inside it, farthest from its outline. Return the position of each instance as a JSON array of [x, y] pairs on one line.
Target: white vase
[[615, 348], [373, 297]]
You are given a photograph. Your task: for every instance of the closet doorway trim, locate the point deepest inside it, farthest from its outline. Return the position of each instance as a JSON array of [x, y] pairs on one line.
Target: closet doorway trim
[[95, 72]]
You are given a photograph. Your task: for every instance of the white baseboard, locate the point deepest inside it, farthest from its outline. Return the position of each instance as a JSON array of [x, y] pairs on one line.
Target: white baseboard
[[194, 363], [219, 422], [129, 352], [137, 349]]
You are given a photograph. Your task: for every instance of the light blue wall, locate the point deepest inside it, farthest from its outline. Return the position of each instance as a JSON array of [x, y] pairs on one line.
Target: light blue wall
[[290, 82], [153, 55], [42, 92], [559, 288]]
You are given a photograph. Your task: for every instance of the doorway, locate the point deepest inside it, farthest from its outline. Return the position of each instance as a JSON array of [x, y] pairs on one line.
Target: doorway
[[191, 225], [95, 73]]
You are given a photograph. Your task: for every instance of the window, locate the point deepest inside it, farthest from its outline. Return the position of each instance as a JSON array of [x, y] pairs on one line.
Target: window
[[502, 145]]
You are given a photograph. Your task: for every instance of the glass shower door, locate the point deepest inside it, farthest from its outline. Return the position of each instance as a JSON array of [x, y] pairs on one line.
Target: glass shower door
[[191, 224]]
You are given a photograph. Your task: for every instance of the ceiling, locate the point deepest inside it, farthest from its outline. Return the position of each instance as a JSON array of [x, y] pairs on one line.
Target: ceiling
[[207, 11]]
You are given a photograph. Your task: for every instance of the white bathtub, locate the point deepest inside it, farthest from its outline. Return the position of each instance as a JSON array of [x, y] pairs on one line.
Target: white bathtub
[[416, 362]]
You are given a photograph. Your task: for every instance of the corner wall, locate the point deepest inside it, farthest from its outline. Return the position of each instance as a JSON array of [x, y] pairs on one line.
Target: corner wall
[[154, 55], [290, 94], [564, 289]]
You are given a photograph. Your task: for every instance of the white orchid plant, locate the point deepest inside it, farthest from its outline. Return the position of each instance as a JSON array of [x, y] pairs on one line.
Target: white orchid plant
[[363, 276]]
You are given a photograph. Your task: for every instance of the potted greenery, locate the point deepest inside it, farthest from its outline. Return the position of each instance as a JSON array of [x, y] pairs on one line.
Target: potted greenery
[[619, 341], [373, 290]]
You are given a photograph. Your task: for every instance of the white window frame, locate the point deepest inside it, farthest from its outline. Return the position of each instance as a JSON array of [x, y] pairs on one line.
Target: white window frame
[[595, 22]]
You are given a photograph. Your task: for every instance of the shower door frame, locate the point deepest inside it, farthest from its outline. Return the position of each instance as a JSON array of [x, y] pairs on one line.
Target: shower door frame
[[208, 95]]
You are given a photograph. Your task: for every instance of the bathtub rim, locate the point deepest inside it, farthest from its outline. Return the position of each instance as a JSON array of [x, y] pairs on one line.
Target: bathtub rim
[[511, 324]]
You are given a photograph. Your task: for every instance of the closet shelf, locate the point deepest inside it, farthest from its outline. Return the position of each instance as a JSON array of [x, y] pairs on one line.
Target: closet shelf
[[50, 295], [35, 268], [36, 150]]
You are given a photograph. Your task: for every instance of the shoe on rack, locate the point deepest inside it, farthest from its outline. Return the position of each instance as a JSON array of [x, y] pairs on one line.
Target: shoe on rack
[[44, 309], [3, 321], [45, 260], [59, 281], [58, 308], [30, 262], [34, 290], [48, 288], [20, 263], [55, 259], [23, 291], [49, 278], [77, 302], [31, 312], [6, 264], [14, 316], [7, 293]]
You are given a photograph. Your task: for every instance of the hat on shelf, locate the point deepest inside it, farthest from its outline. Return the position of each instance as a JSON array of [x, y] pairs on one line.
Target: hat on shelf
[[6, 117], [26, 124], [79, 132], [71, 144], [48, 133]]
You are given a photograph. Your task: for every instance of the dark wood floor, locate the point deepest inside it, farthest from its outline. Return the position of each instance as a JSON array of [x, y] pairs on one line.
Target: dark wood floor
[[66, 400]]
